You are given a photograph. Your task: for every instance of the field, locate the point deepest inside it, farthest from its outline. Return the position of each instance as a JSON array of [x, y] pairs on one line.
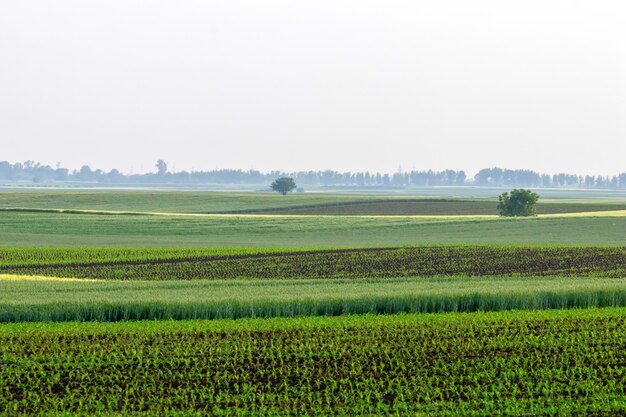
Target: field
[[194, 303], [220, 264], [45, 299], [511, 363], [61, 229], [442, 202]]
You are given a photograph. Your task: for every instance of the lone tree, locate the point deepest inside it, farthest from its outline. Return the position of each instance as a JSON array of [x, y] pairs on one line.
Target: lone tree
[[284, 185], [519, 202], [161, 167]]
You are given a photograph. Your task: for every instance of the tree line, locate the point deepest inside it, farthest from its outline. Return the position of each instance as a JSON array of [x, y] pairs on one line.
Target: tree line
[[31, 171]]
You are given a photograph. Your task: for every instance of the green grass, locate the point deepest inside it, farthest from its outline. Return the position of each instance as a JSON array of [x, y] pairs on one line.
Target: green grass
[[171, 201], [52, 229], [435, 207], [58, 300], [513, 363], [308, 203]]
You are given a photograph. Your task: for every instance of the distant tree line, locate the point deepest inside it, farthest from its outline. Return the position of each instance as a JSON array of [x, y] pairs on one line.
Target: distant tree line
[[495, 177], [528, 178]]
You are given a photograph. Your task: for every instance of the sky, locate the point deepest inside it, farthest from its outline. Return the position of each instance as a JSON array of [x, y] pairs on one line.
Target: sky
[[349, 85]]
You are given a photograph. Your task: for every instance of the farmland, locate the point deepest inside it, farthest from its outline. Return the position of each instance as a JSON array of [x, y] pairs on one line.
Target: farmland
[[513, 363], [195, 303], [32, 298], [181, 264], [62, 229], [446, 203], [443, 207], [152, 283]]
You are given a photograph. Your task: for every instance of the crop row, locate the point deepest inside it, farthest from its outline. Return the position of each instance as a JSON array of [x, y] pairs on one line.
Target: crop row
[[109, 300], [517, 363], [24, 256], [355, 263]]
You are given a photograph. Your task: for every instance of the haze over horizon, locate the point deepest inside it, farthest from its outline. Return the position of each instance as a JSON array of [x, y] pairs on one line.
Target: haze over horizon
[[341, 85]]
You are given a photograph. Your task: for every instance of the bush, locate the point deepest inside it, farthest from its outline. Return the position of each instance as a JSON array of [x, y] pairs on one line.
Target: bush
[[519, 202]]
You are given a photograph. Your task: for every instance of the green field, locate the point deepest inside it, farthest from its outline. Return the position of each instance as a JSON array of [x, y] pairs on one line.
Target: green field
[[53, 229], [512, 363], [115, 284], [274, 264], [170, 201], [308, 203], [401, 207], [24, 299], [439, 307]]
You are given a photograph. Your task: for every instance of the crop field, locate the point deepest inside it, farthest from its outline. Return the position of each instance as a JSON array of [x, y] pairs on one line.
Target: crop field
[[33, 298], [511, 363], [220, 303], [401, 207], [62, 229], [187, 264], [308, 203], [171, 201]]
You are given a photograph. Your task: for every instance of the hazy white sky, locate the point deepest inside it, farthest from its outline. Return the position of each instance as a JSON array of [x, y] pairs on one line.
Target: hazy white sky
[[298, 85]]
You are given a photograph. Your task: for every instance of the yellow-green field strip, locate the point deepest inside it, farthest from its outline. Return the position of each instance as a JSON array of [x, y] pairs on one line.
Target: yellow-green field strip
[[611, 213], [15, 277]]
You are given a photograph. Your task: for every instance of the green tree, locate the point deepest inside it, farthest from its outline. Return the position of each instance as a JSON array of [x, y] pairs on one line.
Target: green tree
[[519, 202], [284, 185]]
